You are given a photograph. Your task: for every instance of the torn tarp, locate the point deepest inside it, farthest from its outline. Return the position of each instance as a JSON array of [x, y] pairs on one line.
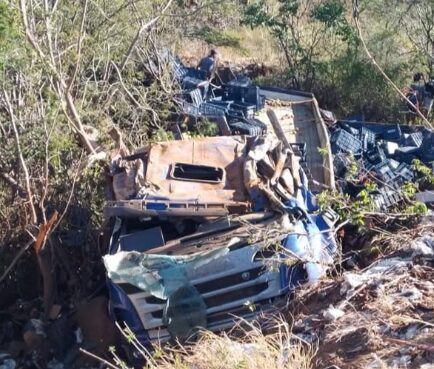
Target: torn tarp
[[165, 277], [160, 275]]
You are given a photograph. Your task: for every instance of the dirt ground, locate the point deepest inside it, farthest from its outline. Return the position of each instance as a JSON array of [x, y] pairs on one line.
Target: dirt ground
[[381, 316]]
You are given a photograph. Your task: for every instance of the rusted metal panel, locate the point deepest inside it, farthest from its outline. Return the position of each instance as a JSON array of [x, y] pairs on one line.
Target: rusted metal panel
[[227, 153]]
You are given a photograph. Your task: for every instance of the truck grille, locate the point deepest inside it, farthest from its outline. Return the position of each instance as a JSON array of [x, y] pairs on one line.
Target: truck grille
[[225, 284]]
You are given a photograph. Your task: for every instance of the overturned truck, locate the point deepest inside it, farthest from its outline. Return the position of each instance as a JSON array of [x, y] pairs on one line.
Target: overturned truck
[[212, 228], [209, 230]]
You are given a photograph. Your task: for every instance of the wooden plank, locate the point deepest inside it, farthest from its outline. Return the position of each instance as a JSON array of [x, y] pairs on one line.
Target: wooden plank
[[278, 128]]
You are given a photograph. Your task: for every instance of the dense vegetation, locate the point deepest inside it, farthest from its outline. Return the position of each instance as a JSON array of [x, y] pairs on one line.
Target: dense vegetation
[[72, 70]]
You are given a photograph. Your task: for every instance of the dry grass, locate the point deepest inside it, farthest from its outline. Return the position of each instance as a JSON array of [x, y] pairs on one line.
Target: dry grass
[[249, 350], [257, 47], [220, 352]]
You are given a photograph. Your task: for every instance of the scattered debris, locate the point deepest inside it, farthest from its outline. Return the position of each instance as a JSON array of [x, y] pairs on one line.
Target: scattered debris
[[333, 314], [385, 312], [382, 154]]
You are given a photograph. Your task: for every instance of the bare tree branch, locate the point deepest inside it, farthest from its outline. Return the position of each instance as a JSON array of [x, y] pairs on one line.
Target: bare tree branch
[[81, 36], [385, 76], [65, 95], [21, 157], [133, 99], [13, 183], [142, 29]]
